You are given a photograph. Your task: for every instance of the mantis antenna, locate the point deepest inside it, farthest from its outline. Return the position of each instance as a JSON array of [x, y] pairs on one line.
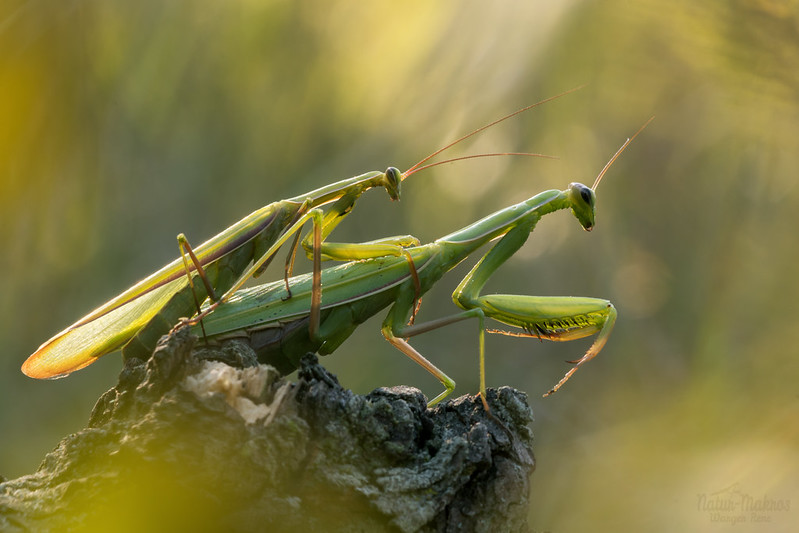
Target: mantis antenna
[[418, 166], [416, 169], [618, 153]]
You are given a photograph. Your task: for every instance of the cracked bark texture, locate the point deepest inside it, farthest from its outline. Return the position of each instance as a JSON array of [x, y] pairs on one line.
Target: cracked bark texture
[[208, 440]]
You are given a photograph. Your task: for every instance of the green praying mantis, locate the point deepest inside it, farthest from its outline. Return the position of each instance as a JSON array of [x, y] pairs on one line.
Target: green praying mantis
[[138, 317], [281, 331]]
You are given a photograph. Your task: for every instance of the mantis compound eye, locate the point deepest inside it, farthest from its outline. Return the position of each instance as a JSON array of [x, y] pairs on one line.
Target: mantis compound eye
[[394, 174], [393, 181], [586, 194]]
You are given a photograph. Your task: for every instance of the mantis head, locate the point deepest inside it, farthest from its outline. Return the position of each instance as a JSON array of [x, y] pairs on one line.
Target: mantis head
[[582, 200], [393, 178]]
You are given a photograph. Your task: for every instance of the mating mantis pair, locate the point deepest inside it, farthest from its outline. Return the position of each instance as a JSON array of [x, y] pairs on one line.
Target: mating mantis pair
[[140, 315], [281, 331]]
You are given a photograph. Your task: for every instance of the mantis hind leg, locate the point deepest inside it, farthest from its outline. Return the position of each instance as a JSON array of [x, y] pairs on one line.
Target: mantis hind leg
[[394, 329], [186, 250]]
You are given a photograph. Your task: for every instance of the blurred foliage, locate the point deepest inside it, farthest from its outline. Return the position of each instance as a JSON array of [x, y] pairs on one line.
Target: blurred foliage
[[124, 123]]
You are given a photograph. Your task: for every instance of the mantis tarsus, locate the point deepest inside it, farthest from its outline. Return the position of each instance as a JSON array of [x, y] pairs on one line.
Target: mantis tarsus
[[138, 317], [282, 331]]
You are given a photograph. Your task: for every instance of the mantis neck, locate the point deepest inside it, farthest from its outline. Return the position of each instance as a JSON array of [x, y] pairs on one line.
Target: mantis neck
[[333, 191], [458, 245], [499, 223]]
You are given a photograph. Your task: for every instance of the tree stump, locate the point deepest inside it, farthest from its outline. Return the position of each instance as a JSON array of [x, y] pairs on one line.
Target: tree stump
[[208, 440]]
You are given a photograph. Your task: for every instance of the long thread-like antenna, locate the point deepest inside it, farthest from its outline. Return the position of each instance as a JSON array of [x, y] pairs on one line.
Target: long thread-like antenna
[[474, 156], [416, 168], [618, 153]]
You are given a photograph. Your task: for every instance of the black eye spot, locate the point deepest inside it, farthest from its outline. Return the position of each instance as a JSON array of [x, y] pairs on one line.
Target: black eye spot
[[585, 194]]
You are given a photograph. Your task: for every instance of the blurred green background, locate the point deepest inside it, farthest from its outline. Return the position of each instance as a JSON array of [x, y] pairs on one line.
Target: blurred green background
[[125, 123]]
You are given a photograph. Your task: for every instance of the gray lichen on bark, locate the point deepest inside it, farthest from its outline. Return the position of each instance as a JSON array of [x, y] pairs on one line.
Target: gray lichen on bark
[[209, 441]]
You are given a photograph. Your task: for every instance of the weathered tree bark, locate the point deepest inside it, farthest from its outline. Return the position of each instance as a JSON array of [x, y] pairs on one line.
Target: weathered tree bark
[[186, 443]]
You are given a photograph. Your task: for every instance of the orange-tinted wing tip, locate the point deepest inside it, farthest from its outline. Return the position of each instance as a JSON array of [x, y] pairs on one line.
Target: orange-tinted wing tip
[[35, 367]]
